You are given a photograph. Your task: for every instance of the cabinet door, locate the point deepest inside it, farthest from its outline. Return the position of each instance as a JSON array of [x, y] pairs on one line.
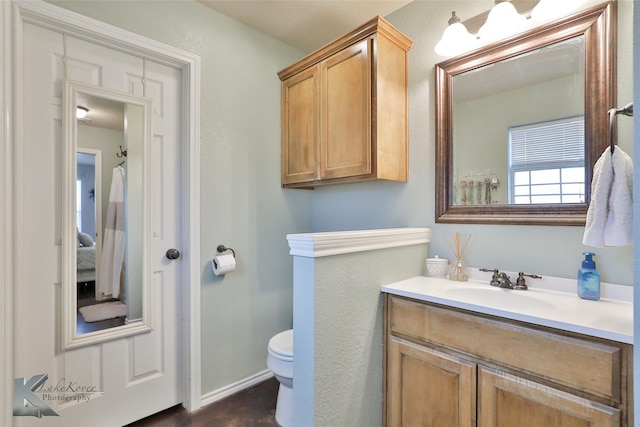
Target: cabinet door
[[506, 400], [300, 132], [345, 136], [428, 388]]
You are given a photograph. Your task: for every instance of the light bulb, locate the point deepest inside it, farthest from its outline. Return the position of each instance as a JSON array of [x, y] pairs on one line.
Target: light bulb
[[503, 21], [455, 39], [550, 9], [81, 112]]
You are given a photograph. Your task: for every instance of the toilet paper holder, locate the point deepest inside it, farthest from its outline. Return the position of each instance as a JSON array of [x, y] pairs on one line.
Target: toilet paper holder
[[222, 264], [223, 248]]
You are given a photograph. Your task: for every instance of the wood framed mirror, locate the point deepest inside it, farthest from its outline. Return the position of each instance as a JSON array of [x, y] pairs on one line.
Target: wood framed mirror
[[567, 78]]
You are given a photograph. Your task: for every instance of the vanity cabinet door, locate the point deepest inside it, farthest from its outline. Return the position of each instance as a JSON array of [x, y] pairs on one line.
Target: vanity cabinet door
[[300, 131], [506, 400], [345, 137], [326, 110], [437, 358], [429, 388]]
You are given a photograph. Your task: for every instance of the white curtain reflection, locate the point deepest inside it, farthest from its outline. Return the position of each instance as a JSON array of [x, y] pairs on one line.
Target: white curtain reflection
[[110, 280]]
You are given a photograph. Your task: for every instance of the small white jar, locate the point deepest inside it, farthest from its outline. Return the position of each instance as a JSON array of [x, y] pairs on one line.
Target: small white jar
[[437, 267]]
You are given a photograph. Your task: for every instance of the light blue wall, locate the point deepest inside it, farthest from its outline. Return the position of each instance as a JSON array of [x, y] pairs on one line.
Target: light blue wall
[[105, 140], [242, 203], [304, 365], [552, 251], [338, 305]]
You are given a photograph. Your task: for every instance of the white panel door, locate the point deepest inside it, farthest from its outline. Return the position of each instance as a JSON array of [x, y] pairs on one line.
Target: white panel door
[[135, 376]]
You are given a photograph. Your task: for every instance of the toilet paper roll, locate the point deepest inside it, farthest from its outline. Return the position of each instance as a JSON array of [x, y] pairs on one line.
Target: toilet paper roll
[[222, 264]]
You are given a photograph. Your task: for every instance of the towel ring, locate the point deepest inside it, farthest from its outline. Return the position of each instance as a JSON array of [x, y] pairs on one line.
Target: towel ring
[[627, 110]]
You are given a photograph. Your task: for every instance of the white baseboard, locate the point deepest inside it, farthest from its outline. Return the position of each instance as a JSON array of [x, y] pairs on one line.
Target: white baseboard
[[226, 391]]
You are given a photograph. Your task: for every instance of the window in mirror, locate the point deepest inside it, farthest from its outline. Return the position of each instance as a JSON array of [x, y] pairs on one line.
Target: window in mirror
[[79, 204], [546, 162]]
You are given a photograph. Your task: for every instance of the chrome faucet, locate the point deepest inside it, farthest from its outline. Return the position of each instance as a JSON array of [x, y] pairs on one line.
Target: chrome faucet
[[521, 282], [502, 280], [498, 279]]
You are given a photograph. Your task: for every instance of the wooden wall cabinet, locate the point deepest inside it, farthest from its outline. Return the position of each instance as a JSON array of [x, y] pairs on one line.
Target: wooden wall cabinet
[[450, 367], [345, 110]]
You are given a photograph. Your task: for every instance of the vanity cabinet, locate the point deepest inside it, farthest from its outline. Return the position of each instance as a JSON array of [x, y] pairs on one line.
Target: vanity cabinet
[[344, 110], [445, 366]]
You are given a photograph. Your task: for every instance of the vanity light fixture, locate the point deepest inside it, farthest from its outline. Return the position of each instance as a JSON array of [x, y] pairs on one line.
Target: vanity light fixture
[[455, 39], [81, 112], [550, 9], [503, 21]]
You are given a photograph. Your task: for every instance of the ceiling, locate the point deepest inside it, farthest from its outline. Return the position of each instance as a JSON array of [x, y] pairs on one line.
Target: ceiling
[[103, 113], [305, 24]]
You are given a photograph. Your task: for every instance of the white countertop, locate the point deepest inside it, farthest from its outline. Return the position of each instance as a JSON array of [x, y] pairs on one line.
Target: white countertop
[[610, 318]]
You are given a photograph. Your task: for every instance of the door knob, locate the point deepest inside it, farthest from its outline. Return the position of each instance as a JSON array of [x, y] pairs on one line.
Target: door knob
[[173, 253]]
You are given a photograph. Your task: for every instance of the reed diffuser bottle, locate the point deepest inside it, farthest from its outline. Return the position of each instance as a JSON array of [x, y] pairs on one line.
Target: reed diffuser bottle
[[458, 272]]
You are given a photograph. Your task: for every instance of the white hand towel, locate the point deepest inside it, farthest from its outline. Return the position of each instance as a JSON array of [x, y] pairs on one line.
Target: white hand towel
[[618, 231], [598, 207], [610, 217]]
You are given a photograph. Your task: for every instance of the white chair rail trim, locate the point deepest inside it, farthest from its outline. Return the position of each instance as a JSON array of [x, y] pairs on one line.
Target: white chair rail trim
[[314, 245]]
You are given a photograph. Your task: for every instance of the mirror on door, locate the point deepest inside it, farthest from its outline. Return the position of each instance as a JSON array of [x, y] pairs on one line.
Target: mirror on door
[[105, 149]]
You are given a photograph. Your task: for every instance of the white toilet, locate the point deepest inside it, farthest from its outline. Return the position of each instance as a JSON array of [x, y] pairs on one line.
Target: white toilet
[[280, 362]]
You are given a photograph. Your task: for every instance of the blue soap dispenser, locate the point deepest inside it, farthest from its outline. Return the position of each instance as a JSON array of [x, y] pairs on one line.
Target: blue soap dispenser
[[589, 278]]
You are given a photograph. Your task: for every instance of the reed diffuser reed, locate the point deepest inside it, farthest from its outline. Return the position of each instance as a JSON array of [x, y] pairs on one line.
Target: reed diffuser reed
[[457, 272]]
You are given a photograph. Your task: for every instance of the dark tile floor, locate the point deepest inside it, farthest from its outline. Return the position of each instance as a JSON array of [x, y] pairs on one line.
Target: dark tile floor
[[253, 407]]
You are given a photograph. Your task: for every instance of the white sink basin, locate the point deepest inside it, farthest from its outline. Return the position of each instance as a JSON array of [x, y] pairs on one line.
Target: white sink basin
[[492, 296]]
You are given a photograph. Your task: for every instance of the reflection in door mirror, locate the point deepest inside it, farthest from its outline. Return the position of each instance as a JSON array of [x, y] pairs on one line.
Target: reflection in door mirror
[[88, 223], [104, 255]]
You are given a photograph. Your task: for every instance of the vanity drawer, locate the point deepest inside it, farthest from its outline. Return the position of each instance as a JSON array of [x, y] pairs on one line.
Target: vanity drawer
[[583, 364]]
